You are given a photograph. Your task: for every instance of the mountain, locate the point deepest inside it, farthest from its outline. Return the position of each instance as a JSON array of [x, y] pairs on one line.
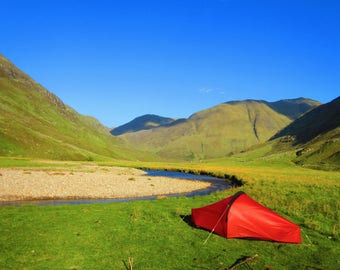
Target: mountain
[[36, 123], [144, 122], [315, 136], [216, 132], [293, 108], [318, 121]]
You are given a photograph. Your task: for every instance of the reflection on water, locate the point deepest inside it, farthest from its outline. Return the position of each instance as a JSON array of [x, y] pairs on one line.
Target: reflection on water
[[217, 184]]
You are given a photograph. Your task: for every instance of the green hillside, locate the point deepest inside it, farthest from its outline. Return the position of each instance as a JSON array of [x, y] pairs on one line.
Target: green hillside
[[215, 132], [315, 136], [314, 123], [292, 108], [36, 123]]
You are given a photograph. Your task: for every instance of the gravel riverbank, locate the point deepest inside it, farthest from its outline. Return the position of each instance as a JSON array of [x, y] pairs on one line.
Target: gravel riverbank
[[87, 182]]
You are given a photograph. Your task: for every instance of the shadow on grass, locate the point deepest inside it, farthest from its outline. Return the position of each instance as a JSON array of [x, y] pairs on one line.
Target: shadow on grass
[[187, 220]]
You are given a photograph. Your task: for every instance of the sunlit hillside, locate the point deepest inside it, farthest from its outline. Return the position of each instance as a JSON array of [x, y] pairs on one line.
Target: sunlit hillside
[[36, 123], [315, 136], [215, 132]]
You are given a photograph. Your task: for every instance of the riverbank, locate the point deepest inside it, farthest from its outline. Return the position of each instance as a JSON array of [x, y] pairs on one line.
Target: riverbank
[[88, 182]]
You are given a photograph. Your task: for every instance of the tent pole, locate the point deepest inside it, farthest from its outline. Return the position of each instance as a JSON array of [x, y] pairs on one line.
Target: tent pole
[[307, 236], [213, 229]]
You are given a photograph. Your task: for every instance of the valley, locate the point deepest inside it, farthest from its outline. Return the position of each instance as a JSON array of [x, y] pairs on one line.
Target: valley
[[284, 154]]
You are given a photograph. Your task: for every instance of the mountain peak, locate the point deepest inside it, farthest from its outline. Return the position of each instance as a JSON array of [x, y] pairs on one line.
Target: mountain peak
[[293, 108], [144, 122]]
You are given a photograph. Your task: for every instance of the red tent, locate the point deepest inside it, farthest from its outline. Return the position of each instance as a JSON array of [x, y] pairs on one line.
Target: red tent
[[239, 216]]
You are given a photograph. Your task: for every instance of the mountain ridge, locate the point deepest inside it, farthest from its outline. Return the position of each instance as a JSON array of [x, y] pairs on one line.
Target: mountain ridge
[[34, 122], [319, 120], [292, 108], [215, 132], [144, 122], [312, 141]]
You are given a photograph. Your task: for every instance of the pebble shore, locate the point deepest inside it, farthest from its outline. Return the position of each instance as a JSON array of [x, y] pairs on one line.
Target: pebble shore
[[92, 182]]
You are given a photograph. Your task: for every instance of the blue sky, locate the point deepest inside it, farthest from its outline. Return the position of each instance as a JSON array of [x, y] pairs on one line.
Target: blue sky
[[117, 60]]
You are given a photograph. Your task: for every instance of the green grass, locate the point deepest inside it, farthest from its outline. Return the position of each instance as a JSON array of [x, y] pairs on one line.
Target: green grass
[[155, 235]]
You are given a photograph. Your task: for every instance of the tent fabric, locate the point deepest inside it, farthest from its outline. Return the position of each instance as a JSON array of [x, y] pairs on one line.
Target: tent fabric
[[239, 216]]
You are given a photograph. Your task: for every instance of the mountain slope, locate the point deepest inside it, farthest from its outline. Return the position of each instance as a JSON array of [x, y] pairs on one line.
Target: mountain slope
[[144, 122], [36, 123], [320, 120], [315, 136], [293, 108], [215, 132]]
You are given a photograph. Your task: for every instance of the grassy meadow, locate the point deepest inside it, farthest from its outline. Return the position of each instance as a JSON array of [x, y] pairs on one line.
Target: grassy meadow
[[156, 234]]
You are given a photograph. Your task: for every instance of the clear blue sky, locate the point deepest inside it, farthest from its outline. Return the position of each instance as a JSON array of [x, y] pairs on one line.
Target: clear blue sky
[[116, 60]]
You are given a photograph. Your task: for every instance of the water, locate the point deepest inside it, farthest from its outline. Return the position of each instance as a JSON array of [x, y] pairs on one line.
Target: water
[[217, 184]]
